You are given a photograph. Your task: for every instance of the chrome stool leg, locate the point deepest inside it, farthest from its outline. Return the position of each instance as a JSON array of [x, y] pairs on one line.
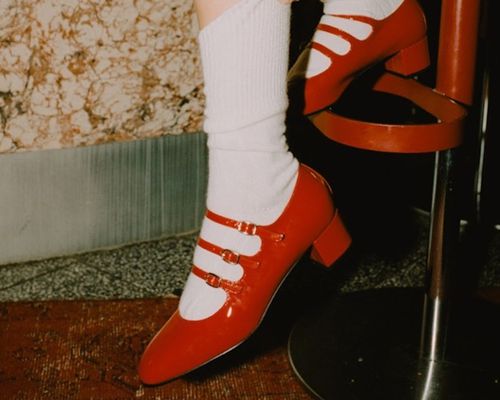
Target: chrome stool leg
[[404, 343], [408, 344]]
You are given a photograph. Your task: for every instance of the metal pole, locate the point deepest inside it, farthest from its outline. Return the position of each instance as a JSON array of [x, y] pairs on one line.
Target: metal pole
[[443, 240], [455, 78]]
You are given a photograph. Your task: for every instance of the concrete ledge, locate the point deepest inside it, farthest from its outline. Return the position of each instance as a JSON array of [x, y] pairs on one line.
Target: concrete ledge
[[60, 202]]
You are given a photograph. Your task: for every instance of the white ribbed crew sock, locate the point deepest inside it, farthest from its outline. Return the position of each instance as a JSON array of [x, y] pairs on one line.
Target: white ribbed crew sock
[[245, 58], [251, 172]]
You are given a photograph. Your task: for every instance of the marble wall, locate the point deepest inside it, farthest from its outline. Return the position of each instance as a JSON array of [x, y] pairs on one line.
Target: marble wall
[[76, 73]]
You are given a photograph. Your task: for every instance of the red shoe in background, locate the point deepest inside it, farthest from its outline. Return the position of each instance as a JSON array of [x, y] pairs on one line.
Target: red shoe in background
[[346, 45]]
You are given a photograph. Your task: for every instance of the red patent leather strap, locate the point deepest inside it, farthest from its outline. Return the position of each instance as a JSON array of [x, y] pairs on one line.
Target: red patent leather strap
[[444, 134], [245, 227], [216, 281], [229, 256]]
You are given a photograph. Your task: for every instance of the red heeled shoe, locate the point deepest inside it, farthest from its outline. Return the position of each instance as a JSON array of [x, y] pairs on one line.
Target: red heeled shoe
[[310, 218], [400, 39]]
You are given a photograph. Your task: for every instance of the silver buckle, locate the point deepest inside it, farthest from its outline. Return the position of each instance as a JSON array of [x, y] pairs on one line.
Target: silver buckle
[[247, 228], [213, 280], [230, 256]]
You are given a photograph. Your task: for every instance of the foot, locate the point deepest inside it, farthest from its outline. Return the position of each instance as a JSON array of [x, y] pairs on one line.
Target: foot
[[352, 36], [236, 297]]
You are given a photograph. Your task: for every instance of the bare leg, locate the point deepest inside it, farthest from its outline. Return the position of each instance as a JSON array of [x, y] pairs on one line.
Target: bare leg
[[208, 10]]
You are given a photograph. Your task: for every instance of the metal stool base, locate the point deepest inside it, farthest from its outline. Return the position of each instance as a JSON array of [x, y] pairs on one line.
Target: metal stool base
[[365, 345]]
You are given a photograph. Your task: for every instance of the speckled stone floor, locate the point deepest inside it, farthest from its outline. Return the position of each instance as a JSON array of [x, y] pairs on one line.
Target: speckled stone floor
[[159, 268]]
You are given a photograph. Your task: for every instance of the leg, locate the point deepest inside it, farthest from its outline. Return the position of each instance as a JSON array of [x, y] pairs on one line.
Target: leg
[[256, 226], [251, 171]]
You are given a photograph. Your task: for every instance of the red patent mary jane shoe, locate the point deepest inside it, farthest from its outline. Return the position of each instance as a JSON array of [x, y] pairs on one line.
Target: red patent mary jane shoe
[[310, 219], [346, 45]]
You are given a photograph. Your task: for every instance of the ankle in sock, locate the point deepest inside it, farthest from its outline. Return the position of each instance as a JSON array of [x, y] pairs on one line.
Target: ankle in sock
[[251, 172]]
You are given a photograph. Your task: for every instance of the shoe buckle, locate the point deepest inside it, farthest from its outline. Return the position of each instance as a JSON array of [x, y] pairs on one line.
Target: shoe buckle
[[213, 280], [247, 228], [230, 256]]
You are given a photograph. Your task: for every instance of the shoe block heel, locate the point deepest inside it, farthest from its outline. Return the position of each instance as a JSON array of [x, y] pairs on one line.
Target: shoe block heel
[[411, 59], [332, 242]]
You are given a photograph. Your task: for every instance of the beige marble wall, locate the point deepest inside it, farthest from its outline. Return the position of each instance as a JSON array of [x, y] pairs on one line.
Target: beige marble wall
[[75, 73]]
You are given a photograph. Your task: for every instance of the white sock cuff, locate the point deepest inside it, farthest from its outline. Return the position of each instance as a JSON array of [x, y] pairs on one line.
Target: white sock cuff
[[377, 9], [242, 88]]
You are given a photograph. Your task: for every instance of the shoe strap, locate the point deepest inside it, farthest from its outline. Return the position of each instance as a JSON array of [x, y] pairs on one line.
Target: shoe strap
[[329, 9], [245, 227], [216, 281], [229, 256]]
